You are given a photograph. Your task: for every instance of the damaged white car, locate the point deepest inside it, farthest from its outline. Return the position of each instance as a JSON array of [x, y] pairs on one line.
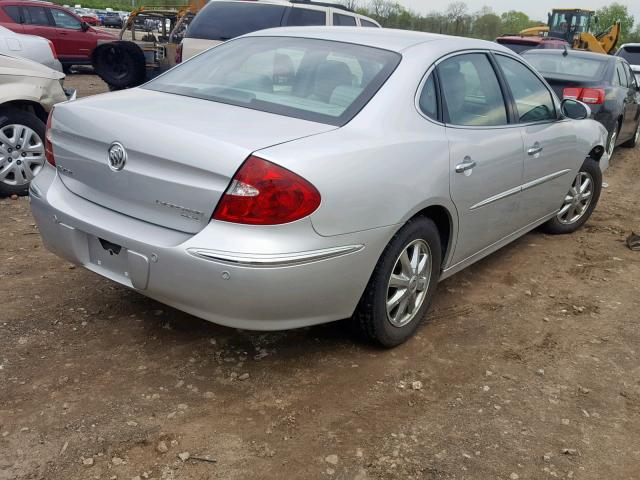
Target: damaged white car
[[28, 91]]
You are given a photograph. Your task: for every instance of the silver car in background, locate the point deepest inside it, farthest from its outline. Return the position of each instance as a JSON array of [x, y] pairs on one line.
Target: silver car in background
[[298, 176]]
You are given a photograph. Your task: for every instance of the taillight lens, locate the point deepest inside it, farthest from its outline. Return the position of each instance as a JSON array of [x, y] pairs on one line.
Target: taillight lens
[[179, 53], [593, 96], [263, 193], [48, 146], [53, 49]]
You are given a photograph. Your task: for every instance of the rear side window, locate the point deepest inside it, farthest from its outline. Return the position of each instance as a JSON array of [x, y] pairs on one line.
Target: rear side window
[[620, 76], [300, 17], [367, 23], [533, 100], [344, 20], [36, 16], [13, 12], [226, 20], [471, 91], [317, 80], [428, 101]]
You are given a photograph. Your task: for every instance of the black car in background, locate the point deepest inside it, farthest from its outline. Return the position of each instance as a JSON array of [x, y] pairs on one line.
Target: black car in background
[[112, 19], [604, 82]]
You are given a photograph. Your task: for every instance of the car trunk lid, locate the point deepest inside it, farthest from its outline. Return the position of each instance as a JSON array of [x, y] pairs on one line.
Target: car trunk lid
[[181, 152]]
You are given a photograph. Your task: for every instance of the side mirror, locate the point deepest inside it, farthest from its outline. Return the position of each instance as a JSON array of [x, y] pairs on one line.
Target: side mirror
[[84, 26], [575, 109]]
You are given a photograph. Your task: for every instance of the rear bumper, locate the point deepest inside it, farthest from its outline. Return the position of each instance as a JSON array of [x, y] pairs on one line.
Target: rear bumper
[[258, 278]]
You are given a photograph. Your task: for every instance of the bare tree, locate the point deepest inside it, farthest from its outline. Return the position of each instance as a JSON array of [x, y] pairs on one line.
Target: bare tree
[[456, 14], [350, 4]]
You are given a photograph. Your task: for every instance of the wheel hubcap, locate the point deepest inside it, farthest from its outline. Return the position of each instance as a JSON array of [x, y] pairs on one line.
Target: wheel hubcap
[[21, 154], [408, 283], [577, 200]]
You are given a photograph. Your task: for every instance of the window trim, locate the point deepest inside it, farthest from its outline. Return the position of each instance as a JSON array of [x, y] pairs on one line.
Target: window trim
[[512, 100], [421, 86]]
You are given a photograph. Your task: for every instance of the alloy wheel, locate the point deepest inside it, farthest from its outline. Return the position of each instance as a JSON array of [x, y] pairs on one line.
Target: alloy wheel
[[408, 283], [21, 154], [577, 200]]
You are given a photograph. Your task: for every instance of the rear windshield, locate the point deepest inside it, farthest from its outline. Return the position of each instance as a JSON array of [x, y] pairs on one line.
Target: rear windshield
[[630, 54], [318, 80], [558, 65], [226, 20], [517, 47]]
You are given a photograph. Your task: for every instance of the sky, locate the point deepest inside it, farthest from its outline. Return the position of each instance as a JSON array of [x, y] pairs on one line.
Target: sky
[[536, 9]]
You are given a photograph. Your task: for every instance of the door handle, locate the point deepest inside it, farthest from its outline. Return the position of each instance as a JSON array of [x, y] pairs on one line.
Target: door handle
[[535, 149], [468, 164]]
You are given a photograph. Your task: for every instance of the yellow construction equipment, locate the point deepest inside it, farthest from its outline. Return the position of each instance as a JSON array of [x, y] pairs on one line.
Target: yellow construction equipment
[[578, 27]]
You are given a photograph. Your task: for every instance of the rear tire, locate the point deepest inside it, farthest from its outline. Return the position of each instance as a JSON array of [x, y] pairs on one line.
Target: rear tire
[[578, 207], [374, 318], [120, 64], [16, 170]]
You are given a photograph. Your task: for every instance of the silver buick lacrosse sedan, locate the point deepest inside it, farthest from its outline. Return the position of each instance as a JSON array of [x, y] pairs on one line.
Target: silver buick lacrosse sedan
[[297, 176]]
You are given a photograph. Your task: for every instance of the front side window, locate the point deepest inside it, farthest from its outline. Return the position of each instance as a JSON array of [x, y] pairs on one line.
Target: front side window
[[36, 16], [367, 23], [471, 91], [65, 20], [344, 20], [300, 17], [534, 102], [13, 12], [317, 80], [632, 79]]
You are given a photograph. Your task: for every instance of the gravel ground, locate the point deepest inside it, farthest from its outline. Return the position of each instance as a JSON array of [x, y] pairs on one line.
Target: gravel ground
[[527, 368]]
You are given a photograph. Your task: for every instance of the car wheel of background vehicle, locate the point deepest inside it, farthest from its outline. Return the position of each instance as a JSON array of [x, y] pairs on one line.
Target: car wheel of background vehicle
[[613, 136], [120, 64], [402, 285], [579, 202], [634, 140], [21, 150]]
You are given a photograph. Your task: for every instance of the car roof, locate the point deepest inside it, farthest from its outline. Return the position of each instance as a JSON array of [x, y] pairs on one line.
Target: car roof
[[384, 38]]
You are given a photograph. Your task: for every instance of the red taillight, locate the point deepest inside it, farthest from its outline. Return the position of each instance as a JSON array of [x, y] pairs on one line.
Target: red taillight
[[53, 49], [593, 96], [48, 146], [263, 193], [179, 53]]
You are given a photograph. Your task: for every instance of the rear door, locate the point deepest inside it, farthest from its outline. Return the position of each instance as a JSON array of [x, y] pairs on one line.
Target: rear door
[[302, 16], [73, 41], [486, 153], [623, 81], [38, 21], [549, 143]]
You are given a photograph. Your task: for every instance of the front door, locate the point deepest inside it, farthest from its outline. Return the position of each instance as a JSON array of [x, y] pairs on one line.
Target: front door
[[485, 151], [73, 41], [549, 142]]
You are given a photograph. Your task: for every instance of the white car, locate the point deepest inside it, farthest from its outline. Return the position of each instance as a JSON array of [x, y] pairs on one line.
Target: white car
[[223, 20], [631, 53], [28, 91], [31, 47]]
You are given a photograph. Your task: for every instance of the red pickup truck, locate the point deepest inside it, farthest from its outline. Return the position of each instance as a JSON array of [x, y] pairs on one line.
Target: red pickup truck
[[73, 39]]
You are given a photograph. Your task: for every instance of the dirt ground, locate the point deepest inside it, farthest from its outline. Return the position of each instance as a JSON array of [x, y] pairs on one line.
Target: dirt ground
[[528, 368]]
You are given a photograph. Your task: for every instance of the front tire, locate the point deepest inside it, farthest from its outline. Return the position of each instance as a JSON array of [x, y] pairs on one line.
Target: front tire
[[21, 150], [579, 202], [402, 285]]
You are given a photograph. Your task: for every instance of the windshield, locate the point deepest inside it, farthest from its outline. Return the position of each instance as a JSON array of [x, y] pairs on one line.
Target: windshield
[[631, 54], [589, 69], [567, 24], [317, 80]]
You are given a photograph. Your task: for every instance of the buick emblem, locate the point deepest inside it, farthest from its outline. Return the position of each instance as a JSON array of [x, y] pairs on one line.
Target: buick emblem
[[117, 156]]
